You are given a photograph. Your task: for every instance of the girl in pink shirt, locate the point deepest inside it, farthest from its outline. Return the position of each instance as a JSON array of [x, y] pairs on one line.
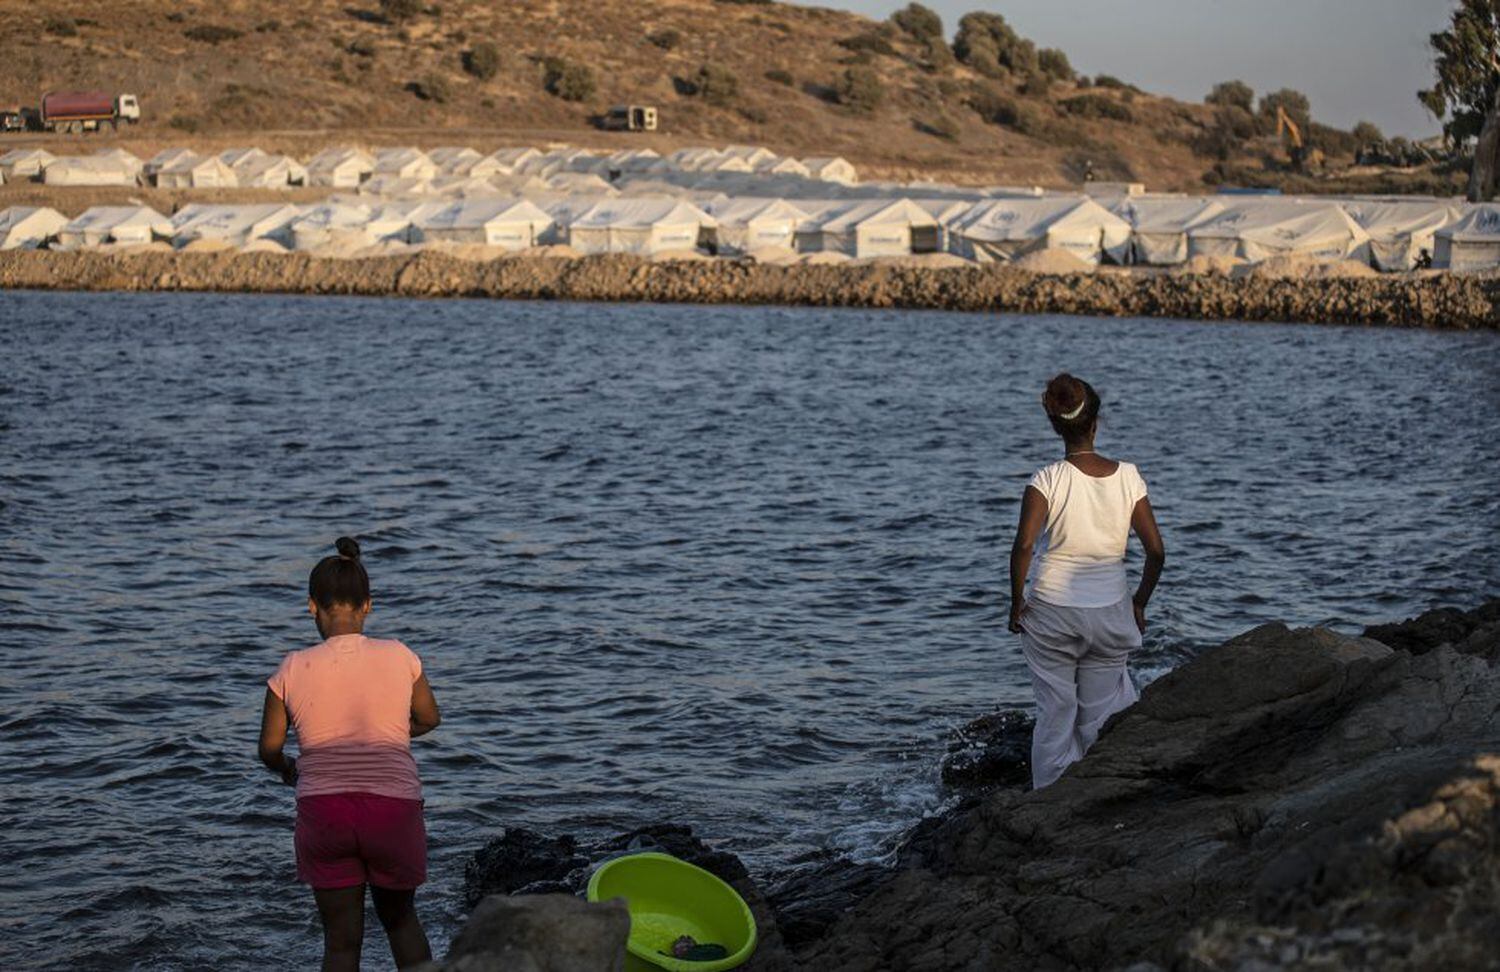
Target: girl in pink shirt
[[355, 703]]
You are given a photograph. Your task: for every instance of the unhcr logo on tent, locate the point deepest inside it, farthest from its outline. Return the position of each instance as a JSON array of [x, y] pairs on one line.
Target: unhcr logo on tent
[[1004, 216], [1488, 220]]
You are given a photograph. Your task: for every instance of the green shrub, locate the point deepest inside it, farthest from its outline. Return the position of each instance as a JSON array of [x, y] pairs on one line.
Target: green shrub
[[716, 84], [753, 114], [183, 123], [569, 80], [1036, 85], [1054, 63], [936, 55], [61, 26], [944, 127], [1232, 94], [268, 27], [990, 46], [431, 87], [399, 10], [665, 39], [918, 21], [1368, 133], [211, 33], [993, 106], [781, 77], [483, 61], [860, 90], [1108, 81], [1293, 102], [950, 89], [361, 47], [1096, 106], [871, 43]]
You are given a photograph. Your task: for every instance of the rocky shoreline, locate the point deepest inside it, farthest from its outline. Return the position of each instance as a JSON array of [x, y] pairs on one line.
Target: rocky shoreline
[[1434, 300], [1290, 799]]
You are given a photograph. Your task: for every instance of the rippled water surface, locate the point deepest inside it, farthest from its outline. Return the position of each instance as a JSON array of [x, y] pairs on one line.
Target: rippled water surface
[[735, 567]]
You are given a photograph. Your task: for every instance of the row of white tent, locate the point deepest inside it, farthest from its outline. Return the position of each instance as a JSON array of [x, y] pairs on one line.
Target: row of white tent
[[1391, 234], [351, 168]]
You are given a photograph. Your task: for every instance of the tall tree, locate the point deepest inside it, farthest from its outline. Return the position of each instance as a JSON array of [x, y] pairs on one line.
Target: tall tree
[[1467, 94]]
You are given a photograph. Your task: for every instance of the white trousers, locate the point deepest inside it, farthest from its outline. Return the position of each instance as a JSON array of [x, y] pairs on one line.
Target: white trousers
[[1077, 661]]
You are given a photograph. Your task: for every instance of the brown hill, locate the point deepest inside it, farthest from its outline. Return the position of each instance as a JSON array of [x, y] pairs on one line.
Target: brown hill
[[800, 80]]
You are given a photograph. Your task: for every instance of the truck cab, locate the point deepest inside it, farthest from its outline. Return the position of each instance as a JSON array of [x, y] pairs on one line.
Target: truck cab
[[127, 108], [11, 119]]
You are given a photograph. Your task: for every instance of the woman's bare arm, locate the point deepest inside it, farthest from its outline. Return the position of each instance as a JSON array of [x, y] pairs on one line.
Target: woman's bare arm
[[1143, 522], [424, 708], [1033, 519], [273, 725]]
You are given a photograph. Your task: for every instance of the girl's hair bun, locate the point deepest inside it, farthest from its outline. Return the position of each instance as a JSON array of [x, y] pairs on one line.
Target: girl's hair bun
[[347, 547]]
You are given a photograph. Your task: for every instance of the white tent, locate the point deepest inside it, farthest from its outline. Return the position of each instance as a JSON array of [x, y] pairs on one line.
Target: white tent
[[340, 168], [234, 224], [871, 228], [513, 158], [132, 163], [1159, 225], [643, 226], [580, 183], [405, 163], [1471, 243], [458, 185], [519, 185], [830, 169], [390, 184], [393, 220], [196, 172], [29, 227], [1260, 228], [755, 155], [480, 168], [271, 172], [450, 158], [90, 170], [165, 159], [331, 223], [513, 224], [748, 224], [1002, 230], [236, 157], [783, 166], [99, 225], [20, 164], [1401, 230]]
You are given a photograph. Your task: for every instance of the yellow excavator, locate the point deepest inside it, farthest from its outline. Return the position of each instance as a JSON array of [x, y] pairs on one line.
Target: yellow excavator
[[1301, 156]]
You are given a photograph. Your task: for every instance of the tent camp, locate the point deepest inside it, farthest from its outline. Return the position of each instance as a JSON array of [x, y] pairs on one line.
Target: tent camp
[[235, 157], [513, 224], [830, 169], [870, 228], [748, 224], [233, 224], [165, 159], [1256, 229], [642, 226], [29, 227], [18, 164], [99, 225], [1159, 225], [450, 158], [783, 166], [580, 183], [405, 163], [1402, 231], [88, 170], [333, 223], [197, 172], [340, 168], [1471, 243], [393, 186], [513, 158], [270, 172], [132, 163], [1003, 230]]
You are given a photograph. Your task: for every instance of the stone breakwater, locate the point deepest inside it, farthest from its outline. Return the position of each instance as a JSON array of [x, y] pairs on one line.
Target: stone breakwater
[[1446, 301]]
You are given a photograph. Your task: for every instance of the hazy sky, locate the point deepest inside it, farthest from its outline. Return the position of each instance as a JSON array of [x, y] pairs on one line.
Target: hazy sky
[[1355, 59]]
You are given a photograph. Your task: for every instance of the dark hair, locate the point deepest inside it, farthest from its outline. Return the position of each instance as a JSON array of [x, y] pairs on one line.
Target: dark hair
[[340, 579], [1063, 397]]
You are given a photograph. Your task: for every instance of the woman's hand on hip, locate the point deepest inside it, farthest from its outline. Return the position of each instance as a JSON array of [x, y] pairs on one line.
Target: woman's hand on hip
[[1140, 615], [289, 771]]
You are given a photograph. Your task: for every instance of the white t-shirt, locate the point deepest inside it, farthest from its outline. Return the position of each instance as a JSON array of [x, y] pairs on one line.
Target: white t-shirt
[[1081, 554]]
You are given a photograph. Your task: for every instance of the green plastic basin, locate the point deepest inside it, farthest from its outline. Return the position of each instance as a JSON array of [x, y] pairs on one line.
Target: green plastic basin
[[669, 898]]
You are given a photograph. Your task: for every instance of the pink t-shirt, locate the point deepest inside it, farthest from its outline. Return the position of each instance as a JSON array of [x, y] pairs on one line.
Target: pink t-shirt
[[349, 700]]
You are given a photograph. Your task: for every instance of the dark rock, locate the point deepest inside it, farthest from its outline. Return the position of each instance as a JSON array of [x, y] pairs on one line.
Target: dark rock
[[1443, 626], [818, 891], [993, 750], [522, 861], [1291, 798], [547, 933]]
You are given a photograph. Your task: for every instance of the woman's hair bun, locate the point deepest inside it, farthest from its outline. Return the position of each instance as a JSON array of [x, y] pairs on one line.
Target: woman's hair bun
[[1064, 394], [347, 547]]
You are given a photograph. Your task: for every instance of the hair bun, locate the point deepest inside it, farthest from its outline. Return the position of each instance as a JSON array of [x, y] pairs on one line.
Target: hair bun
[[347, 547], [1064, 394]]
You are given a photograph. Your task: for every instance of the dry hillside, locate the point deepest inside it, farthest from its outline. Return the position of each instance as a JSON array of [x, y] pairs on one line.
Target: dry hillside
[[297, 77]]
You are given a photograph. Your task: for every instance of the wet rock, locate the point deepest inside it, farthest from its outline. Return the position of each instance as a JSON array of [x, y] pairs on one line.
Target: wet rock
[[818, 891], [1290, 798], [540, 933], [526, 862], [992, 750], [1443, 626]]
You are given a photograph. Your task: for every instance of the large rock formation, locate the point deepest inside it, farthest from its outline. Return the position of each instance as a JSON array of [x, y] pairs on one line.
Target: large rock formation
[[1291, 797], [539, 933]]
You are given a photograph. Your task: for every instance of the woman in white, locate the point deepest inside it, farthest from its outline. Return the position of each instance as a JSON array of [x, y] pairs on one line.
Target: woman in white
[[1078, 623]]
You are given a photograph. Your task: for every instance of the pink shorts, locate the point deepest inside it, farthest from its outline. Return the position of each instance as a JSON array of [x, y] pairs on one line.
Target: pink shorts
[[348, 839]]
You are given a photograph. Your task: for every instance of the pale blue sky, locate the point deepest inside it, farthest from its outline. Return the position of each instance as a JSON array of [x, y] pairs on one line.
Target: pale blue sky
[[1356, 59]]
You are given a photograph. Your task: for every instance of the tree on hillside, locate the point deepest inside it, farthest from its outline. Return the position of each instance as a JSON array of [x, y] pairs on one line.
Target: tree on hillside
[[1466, 97], [1368, 133], [1232, 94], [1054, 63], [1293, 102], [990, 46], [918, 21]]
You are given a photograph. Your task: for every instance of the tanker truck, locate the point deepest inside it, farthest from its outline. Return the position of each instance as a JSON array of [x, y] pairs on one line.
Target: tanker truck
[[86, 111]]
